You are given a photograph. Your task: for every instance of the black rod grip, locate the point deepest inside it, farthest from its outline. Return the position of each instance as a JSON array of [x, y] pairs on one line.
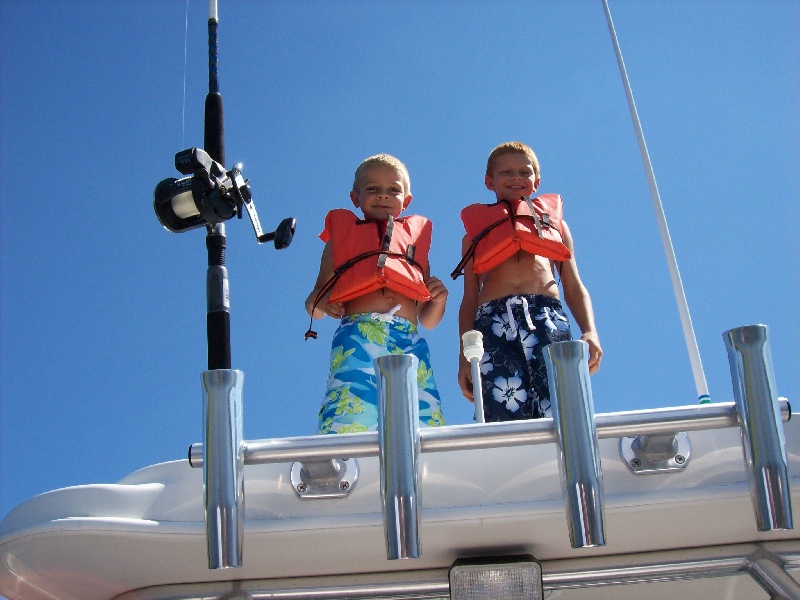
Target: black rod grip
[[214, 134]]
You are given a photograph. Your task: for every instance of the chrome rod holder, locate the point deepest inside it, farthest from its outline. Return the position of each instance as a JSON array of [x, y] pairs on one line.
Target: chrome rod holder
[[399, 447], [761, 427], [223, 467], [333, 478], [576, 440]]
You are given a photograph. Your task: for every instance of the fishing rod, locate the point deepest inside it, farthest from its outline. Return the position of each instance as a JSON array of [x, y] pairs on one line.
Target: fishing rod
[[677, 285], [208, 196], [218, 317]]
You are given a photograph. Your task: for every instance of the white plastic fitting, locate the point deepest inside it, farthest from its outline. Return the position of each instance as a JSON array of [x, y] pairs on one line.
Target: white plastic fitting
[[473, 351], [473, 345]]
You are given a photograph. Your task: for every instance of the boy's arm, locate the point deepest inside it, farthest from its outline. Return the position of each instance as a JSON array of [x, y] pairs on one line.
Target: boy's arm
[[432, 311], [325, 273], [466, 322], [580, 304]]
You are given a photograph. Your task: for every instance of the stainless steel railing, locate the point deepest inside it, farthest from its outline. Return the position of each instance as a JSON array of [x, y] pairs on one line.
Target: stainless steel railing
[[574, 428]]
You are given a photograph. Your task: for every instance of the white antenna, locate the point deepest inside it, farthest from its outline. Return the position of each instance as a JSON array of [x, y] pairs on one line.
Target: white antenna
[[675, 276]]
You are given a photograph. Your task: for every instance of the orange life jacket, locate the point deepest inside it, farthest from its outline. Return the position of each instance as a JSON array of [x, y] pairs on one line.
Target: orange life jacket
[[369, 255], [500, 230]]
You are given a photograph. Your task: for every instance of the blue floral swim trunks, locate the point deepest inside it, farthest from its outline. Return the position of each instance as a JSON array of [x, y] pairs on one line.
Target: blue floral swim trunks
[[351, 396], [513, 372]]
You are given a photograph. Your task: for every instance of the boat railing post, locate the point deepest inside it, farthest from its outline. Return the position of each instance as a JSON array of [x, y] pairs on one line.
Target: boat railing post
[[399, 447], [576, 438], [761, 425], [223, 467]]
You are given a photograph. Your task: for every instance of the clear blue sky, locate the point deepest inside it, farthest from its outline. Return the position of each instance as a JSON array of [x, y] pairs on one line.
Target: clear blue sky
[[103, 311]]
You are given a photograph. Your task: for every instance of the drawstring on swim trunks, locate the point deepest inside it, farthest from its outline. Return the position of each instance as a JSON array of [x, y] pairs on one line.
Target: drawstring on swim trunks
[[385, 316], [512, 323]]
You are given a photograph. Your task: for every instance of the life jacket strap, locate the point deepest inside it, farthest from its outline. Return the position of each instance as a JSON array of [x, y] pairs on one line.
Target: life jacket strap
[[387, 240], [459, 270], [536, 220]]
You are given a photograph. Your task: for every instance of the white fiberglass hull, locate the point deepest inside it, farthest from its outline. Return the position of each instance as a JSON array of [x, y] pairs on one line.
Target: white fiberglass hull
[[107, 541]]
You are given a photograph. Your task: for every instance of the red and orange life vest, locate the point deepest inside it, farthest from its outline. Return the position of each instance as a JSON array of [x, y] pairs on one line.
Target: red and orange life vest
[[358, 246], [369, 255], [500, 230]]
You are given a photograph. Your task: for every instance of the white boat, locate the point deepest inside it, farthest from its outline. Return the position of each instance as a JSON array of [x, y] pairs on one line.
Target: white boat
[[691, 513]]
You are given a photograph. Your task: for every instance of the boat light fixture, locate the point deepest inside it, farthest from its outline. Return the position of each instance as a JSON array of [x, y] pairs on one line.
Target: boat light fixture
[[499, 578]]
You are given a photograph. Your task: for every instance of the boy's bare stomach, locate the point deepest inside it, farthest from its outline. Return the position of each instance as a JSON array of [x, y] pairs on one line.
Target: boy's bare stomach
[[521, 274], [383, 301]]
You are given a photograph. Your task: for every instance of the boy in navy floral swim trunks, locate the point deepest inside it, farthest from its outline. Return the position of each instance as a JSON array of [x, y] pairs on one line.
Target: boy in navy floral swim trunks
[[374, 276], [512, 251]]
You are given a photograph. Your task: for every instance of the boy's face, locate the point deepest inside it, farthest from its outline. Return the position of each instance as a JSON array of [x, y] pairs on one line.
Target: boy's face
[[512, 177], [382, 193]]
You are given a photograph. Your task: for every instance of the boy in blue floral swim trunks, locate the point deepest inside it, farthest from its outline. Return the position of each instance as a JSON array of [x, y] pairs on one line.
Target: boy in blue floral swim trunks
[[512, 297], [374, 276]]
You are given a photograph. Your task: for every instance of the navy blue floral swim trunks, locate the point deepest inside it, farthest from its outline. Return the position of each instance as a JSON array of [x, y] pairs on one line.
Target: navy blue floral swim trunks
[[513, 372]]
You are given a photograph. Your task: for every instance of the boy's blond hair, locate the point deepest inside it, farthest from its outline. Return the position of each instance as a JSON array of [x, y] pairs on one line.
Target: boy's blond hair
[[381, 159], [508, 148]]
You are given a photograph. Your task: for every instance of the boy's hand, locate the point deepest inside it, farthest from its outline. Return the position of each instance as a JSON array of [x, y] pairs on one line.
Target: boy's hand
[[595, 351], [436, 289], [323, 308], [432, 311], [465, 380]]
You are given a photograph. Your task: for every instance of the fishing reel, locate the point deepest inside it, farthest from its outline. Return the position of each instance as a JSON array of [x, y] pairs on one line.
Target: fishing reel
[[210, 195]]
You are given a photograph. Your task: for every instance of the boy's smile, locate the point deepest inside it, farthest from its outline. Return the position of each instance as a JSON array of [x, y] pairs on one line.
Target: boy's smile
[[513, 176], [381, 193]]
